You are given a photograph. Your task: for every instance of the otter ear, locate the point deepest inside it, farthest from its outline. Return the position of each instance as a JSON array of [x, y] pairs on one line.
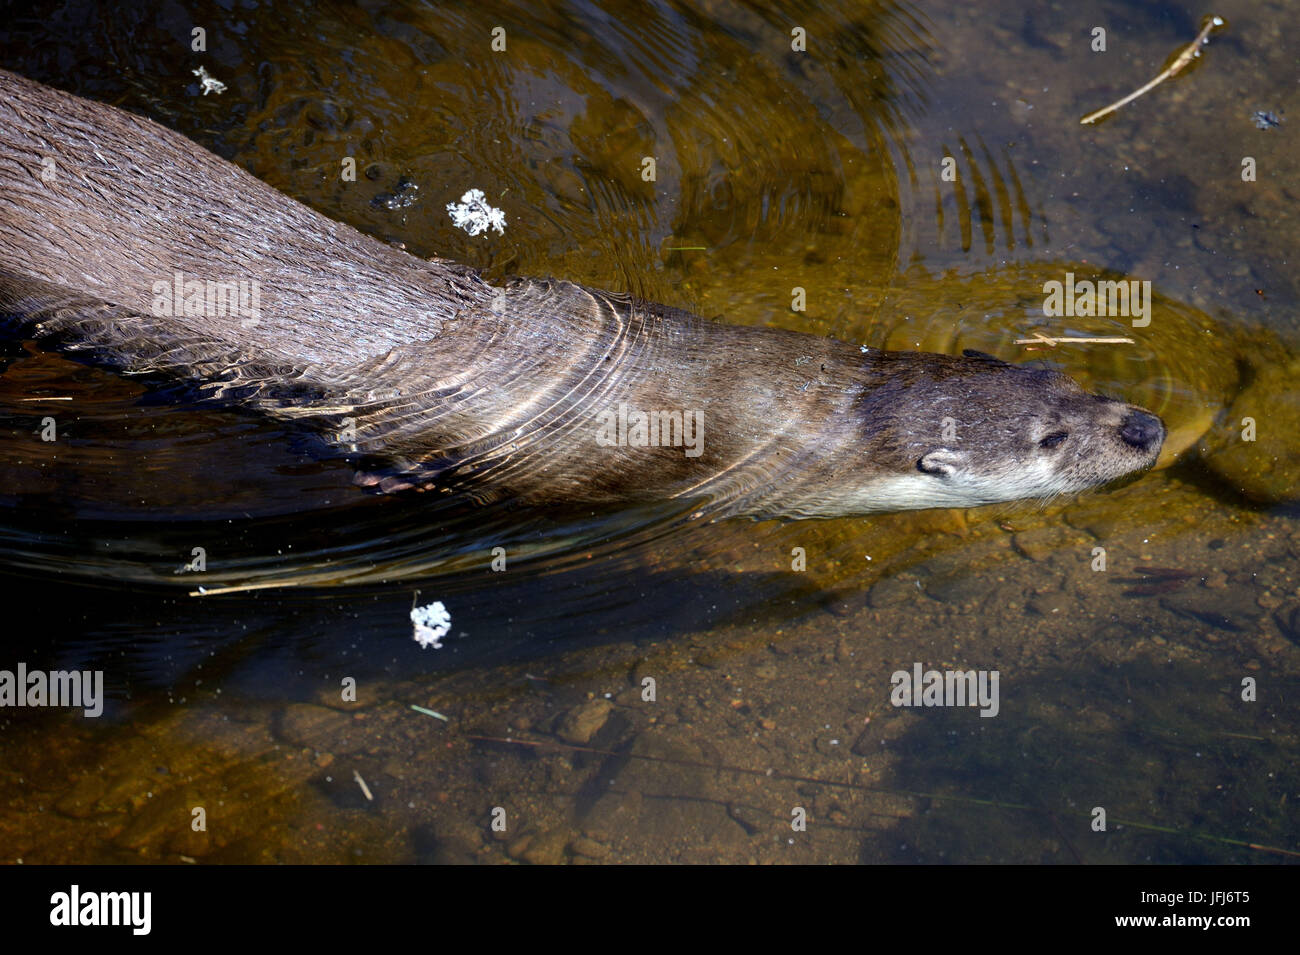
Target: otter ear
[[942, 462]]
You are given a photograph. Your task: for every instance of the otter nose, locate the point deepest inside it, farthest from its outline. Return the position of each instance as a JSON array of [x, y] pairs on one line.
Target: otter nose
[[1141, 429]]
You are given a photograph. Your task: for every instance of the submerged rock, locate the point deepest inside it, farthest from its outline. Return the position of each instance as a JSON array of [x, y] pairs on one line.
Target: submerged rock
[[580, 724], [1266, 469]]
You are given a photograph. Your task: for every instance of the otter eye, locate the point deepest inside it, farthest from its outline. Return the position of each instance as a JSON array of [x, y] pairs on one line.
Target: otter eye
[[1053, 439]]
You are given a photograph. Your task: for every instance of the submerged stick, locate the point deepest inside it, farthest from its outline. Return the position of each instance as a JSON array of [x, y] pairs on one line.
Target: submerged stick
[[1189, 53]]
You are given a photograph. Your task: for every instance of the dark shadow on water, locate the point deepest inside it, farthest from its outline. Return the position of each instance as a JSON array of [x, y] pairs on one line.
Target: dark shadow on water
[[279, 644], [1160, 745]]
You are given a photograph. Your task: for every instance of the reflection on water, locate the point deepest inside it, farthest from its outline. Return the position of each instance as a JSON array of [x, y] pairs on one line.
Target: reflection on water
[[768, 647]]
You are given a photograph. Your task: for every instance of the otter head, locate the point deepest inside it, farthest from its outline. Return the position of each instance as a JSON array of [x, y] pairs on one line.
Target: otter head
[[956, 432]]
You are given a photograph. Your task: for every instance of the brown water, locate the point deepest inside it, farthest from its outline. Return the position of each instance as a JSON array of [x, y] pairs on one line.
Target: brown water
[[1120, 688]]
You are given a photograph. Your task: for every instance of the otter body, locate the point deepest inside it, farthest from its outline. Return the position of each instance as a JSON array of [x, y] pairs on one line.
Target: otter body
[[542, 390]]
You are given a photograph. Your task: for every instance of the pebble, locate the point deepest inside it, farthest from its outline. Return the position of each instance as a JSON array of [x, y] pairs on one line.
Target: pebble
[[590, 848], [546, 848], [583, 722]]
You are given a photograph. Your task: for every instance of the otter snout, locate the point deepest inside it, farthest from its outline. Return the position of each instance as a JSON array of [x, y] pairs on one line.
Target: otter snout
[[1142, 430]]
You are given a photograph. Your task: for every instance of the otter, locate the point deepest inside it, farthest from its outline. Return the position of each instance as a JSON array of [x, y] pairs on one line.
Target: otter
[[114, 231]]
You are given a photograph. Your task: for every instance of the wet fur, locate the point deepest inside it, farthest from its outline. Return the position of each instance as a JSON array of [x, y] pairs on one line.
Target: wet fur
[[423, 371]]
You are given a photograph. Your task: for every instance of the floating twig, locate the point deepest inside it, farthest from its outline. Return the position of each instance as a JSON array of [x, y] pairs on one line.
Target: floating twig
[[1071, 340], [240, 588], [434, 713], [362, 783], [1188, 54]]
